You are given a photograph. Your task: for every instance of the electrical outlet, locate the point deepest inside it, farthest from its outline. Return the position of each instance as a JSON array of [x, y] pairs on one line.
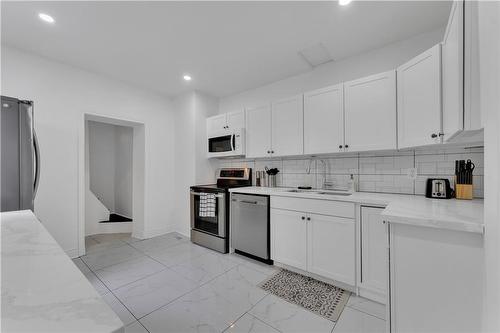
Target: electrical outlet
[[411, 173]]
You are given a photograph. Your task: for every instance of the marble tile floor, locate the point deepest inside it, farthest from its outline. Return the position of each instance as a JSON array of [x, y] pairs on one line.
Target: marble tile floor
[[167, 284]]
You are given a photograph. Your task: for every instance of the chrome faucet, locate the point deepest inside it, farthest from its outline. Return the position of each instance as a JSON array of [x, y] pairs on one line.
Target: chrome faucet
[[327, 185]]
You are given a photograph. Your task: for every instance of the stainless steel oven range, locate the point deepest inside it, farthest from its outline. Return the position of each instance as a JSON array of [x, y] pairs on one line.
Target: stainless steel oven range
[[210, 208]]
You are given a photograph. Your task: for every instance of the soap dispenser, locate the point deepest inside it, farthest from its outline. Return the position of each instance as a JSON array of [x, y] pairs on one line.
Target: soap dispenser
[[351, 184]]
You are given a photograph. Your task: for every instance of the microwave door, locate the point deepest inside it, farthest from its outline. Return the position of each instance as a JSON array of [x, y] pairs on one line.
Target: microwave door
[[220, 144]]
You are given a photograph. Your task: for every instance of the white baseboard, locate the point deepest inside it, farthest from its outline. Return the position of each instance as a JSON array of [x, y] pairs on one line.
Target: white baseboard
[[112, 228], [143, 234], [73, 253], [183, 234]]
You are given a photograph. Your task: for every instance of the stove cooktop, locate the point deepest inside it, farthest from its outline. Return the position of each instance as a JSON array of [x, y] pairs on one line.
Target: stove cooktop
[[227, 178]]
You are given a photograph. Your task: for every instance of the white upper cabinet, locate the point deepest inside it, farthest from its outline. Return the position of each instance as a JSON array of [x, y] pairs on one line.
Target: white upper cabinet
[[370, 113], [225, 122], [324, 120], [258, 132], [472, 109], [453, 75], [216, 124], [235, 120], [419, 100], [288, 127]]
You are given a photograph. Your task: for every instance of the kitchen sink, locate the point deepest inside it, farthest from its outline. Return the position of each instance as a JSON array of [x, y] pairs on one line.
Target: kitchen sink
[[334, 193], [320, 192]]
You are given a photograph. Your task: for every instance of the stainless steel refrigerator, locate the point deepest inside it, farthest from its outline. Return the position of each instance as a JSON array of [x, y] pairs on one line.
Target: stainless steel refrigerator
[[19, 155]]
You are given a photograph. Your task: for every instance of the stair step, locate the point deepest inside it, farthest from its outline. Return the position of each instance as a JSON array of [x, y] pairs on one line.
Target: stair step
[[116, 218]]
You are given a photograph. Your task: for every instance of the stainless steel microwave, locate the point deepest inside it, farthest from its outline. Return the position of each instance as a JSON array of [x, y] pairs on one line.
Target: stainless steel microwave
[[230, 143]]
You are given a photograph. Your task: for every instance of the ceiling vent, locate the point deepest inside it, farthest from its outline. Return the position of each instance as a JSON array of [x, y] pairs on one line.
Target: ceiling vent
[[316, 55]]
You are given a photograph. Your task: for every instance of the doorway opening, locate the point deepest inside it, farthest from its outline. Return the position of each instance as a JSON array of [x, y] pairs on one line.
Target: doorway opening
[[113, 198]]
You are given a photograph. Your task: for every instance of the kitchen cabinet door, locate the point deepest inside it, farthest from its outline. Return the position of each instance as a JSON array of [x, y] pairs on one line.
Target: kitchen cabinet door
[[436, 279], [373, 251], [324, 120], [453, 75], [216, 124], [419, 100], [288, 127], [331, 248], [370, 113], [236, 120], [258, 132], [288, 238]]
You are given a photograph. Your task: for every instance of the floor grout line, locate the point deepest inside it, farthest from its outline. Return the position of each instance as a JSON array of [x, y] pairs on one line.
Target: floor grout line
[[111, 291], [233, 264], [141, 325], [365, 312], [190, 291]]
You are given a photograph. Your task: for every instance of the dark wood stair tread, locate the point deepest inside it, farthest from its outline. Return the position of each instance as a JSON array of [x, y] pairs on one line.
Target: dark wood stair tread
[[116, 218]]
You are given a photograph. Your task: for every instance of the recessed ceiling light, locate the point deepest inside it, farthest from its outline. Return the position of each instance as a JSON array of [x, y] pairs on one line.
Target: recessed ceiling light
[[46, 18], [344, 2], [187, 77]]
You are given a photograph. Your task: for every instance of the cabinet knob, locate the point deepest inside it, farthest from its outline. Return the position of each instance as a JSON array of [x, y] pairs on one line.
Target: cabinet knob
[[269, 152], [309, 219], [434, 135], [340, 146], [272, 151], [303, 217], [347, 146]]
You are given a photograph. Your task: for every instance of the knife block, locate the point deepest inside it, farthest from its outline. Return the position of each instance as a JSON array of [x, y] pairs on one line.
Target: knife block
[[463, 191]]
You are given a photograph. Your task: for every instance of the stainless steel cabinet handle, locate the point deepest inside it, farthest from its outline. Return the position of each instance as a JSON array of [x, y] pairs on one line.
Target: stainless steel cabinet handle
[[37, 161], [249, 202]]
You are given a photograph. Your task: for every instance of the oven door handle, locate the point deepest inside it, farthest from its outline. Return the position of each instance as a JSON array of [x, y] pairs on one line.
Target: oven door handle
[[217, 195], [233, 142]]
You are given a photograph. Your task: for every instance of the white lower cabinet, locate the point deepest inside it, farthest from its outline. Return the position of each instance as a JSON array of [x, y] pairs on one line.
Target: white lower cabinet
[[330, 247], [436, 279], [320, 244], [372, 277], [288, 238]]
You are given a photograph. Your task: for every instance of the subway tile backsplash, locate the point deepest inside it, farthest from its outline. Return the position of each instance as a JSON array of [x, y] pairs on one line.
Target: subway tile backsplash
[[382, 172]]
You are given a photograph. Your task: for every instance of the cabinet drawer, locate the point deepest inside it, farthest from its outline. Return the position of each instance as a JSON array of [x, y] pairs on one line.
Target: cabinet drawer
[[316, 206]]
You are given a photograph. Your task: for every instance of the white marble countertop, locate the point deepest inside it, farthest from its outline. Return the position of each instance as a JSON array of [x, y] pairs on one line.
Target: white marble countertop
[[452, 214], [42, 290]]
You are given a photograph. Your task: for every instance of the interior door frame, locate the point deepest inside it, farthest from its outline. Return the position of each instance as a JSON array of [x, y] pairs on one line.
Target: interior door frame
[[138, 173]]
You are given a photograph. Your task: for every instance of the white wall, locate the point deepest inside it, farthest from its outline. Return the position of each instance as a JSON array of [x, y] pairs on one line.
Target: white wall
[[102, 166], [62, 95], [376, 61], [489, 56], [110, 165], [191, 165], [123, 172]]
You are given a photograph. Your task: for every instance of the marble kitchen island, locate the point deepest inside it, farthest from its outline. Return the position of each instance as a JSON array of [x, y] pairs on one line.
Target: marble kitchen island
[[42, 290]]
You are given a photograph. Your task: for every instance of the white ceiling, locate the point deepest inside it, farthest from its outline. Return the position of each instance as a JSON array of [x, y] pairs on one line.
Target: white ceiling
[[227, 47]]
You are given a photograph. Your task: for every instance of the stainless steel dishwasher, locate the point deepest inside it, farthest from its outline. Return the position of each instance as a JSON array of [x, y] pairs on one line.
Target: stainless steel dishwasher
[[250, 229]]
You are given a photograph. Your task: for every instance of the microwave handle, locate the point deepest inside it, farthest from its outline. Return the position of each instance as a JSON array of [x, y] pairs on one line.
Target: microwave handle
[[233, 142]]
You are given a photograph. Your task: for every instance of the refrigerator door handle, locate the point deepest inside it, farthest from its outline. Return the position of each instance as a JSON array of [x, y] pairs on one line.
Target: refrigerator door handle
[[37, 163]]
